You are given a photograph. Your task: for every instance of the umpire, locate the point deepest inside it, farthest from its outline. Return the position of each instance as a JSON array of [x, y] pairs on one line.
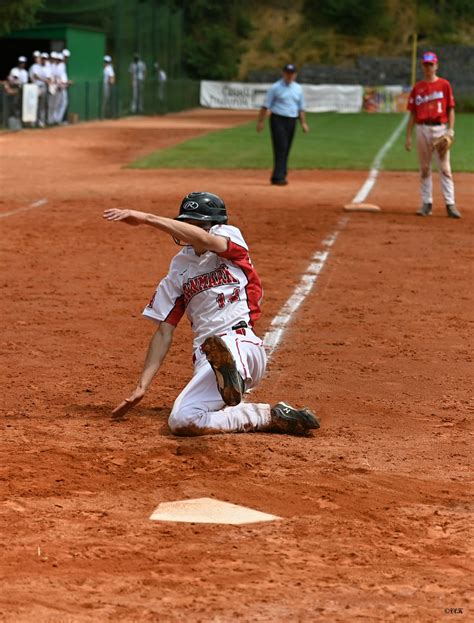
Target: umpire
[[285, 101]]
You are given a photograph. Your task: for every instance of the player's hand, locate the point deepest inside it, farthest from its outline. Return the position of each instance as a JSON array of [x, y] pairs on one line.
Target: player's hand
[[260, 125], [131, 217], [408, 143], [305, 127], [128, 403]]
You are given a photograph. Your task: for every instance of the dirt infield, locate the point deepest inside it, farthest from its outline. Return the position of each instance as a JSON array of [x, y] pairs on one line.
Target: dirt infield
[[375, 506]]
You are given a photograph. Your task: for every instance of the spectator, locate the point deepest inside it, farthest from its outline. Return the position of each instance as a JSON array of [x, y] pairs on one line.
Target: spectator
[[53, 89], [37, 77], [46, 76], [137, 71], [107, 83], [161, 78], [64, 84], [17, 77]]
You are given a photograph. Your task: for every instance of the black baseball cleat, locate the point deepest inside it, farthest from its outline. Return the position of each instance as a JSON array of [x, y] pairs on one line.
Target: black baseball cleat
[[452, 211], [230, 384], [425, 210], [287, 419]]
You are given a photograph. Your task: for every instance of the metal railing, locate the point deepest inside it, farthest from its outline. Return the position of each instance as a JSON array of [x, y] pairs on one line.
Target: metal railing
[[89, 101]]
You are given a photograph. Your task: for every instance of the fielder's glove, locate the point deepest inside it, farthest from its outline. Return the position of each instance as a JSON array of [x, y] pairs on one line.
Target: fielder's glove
[[444, 143]]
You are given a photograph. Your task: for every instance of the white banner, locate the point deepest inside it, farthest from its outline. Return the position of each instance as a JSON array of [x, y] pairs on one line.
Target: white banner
[[234, 95], [251, 96], [29, 103], [333, 97]]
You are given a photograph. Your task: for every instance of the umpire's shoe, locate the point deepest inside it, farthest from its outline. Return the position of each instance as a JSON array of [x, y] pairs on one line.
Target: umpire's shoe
[[452, 211], [230, 384], [425, 210], [287, 419]]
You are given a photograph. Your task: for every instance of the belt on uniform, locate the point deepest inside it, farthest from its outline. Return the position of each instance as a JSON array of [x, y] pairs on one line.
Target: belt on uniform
[[240, 327], [433, 123]]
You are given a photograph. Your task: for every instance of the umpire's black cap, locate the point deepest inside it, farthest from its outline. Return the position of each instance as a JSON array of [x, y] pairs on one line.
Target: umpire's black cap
[[290, 68]]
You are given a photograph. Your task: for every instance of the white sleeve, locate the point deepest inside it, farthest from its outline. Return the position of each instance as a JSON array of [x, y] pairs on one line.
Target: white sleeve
[[167, 303], [232, 233]]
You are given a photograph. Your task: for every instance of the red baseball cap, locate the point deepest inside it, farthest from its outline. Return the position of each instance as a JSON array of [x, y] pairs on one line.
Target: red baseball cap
[[430, 57]]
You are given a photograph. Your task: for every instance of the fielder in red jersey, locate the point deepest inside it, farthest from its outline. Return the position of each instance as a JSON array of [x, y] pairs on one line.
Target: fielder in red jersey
[[431, 105]]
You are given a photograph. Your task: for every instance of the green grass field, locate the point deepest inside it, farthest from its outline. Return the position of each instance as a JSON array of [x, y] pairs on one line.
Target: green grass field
[[336, 141]]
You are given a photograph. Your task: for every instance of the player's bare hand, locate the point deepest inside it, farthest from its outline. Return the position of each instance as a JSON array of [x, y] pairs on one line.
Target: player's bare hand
[[305, 127], [260, 125], [131, 217], [127, 404], [408, 144]]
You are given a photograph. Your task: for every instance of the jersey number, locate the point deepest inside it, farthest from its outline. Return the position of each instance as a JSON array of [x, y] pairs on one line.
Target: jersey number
[[220, 298], [440, 108]]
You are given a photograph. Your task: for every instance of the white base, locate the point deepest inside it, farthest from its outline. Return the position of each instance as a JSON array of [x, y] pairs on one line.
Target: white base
[[208, 510]]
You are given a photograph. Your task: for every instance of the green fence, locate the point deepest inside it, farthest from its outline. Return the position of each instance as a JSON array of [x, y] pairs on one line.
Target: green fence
[[86, 100]]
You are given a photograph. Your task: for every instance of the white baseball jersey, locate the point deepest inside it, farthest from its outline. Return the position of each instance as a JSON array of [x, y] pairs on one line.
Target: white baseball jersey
[[137, 70], [35, 73], [108, 73], [217, 291], [18, 76]]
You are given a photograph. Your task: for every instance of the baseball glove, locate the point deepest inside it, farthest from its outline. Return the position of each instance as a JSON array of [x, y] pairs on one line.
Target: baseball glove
[[443, 144]]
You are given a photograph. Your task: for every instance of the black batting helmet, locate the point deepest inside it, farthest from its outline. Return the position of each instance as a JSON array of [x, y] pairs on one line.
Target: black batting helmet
[[203, 206]]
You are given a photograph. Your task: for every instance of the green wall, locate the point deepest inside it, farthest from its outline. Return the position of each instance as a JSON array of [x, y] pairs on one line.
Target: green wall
[[87, 54]]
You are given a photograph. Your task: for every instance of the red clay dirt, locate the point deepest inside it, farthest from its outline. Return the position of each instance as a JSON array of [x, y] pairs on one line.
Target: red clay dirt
[[375, 506]]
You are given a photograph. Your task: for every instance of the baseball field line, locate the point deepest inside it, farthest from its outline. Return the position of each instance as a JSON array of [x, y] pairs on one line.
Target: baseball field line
[[377, 163], [35, 204], [279, 324]]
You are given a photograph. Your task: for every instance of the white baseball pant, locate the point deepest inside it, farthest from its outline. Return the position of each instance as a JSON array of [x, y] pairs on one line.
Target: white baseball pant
[[425, 136], [199, 409]]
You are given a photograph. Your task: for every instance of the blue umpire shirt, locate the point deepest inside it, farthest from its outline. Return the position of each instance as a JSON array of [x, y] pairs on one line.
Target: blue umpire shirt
[[285, 99]]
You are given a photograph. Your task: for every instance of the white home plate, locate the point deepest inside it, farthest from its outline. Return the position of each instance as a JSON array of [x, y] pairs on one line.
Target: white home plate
[[208, 510]]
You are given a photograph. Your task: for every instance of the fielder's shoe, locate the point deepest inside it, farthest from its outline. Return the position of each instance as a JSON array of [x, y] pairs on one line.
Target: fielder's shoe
[[287, 419], [425, 210], [230, 384], [453, 212]]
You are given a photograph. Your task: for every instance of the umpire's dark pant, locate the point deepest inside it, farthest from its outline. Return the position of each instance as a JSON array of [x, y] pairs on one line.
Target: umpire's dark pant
[[283, 130]]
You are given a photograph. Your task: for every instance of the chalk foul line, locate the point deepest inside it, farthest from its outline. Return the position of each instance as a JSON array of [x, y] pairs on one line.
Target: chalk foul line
[[35, 204], [278, 326], [377, 163]]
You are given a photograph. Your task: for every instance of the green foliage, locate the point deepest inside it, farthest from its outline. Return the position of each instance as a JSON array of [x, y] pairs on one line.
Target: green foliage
[[266, 44], [346, 16], [15, 14], [214, 56], [213, 36]]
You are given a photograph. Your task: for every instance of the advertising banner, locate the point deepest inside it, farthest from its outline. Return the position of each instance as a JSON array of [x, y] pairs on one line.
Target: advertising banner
[[251, 96], [386, 98]]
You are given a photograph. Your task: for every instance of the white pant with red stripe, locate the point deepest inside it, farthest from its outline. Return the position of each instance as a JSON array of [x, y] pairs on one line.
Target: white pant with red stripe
[[199, 409], [425, 136]]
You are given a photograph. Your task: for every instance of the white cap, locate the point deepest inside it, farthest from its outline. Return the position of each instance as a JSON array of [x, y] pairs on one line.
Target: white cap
[[44, 55], [54, 55], [59, 56], [36, 53], [107, 59], [22, 59], [15, 72], [66, 52]]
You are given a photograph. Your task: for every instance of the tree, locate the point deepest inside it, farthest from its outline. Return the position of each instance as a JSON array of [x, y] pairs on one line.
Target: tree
[[17, 14]]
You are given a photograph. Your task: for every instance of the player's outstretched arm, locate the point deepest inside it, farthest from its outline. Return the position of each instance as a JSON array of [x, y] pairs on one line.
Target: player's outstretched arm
[[158, 348], [186, 232]]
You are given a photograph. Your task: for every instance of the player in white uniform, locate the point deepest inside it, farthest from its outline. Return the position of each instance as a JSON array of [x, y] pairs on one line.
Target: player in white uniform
[[213, 280], [63, 83]]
